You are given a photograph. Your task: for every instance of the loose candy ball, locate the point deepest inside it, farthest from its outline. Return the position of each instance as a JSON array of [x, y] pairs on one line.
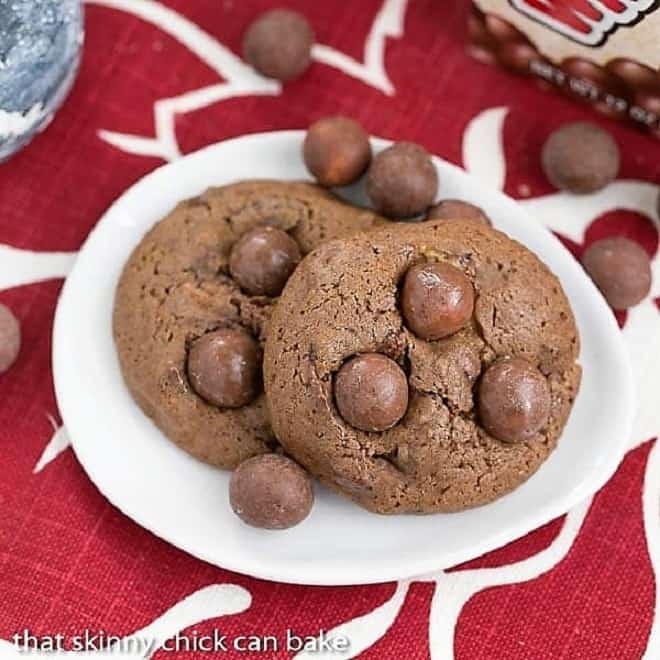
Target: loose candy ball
[[278, 44], [336, 151], [518, 57], [371, 392], [224, 368], [437, 300], [262, 260], [634, 74], [271, 491], [402, 180], [514, 400], [457, 209], [581, 157], [621, 269], [10, 338]]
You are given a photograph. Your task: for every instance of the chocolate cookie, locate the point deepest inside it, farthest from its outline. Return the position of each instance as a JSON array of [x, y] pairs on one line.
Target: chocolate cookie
[[341, 340], [179, 313]]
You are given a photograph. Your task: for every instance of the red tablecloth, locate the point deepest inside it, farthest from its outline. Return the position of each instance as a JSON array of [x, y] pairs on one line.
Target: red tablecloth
[[580, 587]]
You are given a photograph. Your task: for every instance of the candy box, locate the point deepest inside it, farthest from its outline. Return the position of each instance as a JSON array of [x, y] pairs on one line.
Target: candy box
[[602, 52]]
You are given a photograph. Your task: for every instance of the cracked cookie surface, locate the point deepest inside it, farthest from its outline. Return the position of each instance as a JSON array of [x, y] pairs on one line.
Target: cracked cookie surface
[[343, 301], [176, 287]]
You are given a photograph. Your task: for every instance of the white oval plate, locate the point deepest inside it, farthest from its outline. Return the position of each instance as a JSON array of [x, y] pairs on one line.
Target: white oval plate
[[186, 502]]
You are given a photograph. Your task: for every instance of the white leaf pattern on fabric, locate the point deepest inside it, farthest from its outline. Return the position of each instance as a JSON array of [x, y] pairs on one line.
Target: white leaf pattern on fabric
[[642, 335], [207, 603], [483, 152], [239, 78], [453, 590], [388, 23], [571, 215], [21, 267], [364, 631], [57, 444]]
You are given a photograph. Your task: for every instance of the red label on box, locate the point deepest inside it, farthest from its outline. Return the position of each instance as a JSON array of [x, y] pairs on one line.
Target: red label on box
[[583, 21]]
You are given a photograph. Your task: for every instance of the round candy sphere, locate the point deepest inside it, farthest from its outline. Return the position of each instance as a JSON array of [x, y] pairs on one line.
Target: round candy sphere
[[514, 400], [402, 180], [271, 491], [224, 367], [262, 260], [40, 44], [279, 44], [581, 157], [336, 151], [437, 300], [371, 392], [621, 269]]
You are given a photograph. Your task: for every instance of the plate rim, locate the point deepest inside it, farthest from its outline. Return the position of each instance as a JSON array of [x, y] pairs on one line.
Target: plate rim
[[305, 573]]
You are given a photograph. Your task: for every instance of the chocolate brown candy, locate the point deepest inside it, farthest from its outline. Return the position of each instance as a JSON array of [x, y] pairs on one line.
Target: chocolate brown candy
[[518, 57], [478, 32], [635, 75], [402, 180], [649, 101], [612, 106], [262, 260], [514, 400], [437, 300], [278, 44], [580, 157], [482, 44], [371, 392], [621, 269], [224, 367], [10, 338], [336, 151], [271, 491], [591, 83], [457, 209], [588, 81]]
